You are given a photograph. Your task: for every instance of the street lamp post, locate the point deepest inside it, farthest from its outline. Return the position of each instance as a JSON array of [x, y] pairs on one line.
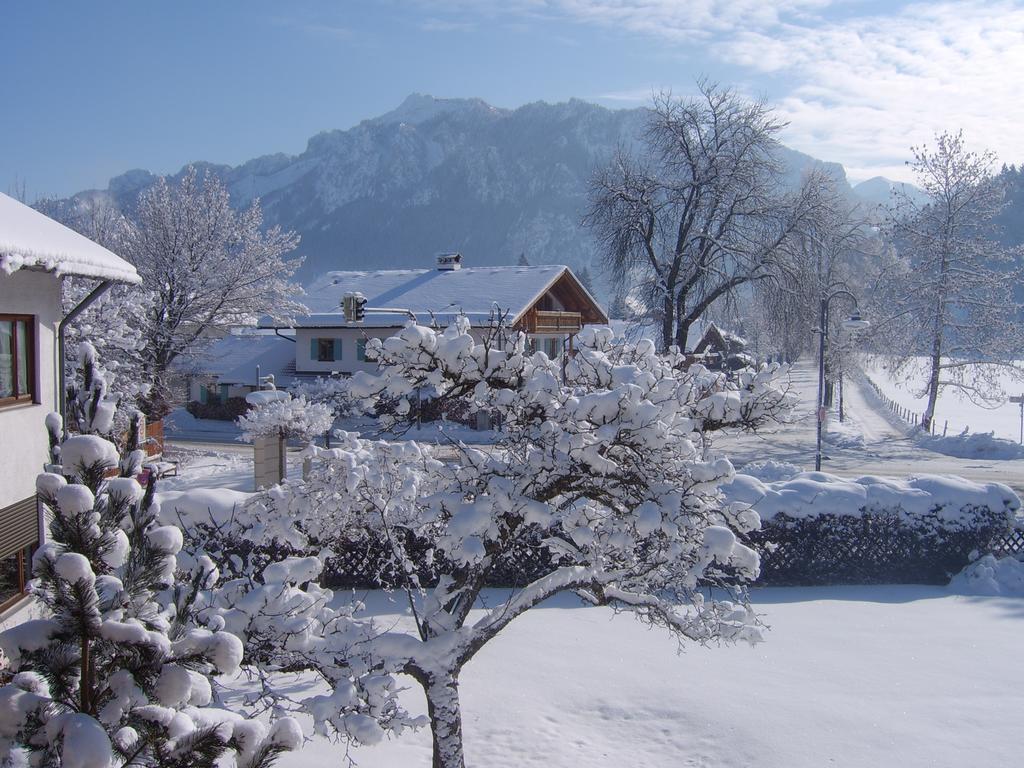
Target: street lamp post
[[855, 322]]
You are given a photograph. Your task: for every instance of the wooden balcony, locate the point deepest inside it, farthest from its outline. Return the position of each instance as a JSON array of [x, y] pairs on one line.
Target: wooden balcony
[[546, 321]]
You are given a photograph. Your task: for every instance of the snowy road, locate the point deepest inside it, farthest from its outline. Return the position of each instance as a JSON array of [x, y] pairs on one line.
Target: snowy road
[[887, 450]]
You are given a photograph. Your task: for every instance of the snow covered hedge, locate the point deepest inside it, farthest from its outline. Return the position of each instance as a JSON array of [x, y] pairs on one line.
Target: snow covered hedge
[[820, 529]]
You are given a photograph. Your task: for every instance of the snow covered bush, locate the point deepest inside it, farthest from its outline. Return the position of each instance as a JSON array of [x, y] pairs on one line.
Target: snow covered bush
[[602, 472], [275, 413], [819, 529], [333, 392], [989, 575]]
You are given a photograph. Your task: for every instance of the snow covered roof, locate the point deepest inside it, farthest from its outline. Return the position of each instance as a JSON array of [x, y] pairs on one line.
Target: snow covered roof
[[474, 291], [30, 240], [234, 358]]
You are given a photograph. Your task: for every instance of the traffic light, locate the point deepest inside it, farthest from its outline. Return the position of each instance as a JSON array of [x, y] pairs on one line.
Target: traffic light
[[354, 307]]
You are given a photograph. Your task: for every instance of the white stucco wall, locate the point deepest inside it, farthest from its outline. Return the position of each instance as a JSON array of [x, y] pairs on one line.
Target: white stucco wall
[[23, 441], [304, 362]]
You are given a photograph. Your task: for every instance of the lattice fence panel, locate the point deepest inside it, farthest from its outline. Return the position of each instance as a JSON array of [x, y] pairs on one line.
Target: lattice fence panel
[[866, 549], [1008, 543]]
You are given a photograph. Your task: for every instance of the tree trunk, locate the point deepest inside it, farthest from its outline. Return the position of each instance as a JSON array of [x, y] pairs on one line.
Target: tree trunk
[[667, 321], [445, 719], [682, 331], [85, 680], [933, 386]]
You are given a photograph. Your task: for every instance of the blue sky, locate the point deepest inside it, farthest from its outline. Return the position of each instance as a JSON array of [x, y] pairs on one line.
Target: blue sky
[[97, 88]]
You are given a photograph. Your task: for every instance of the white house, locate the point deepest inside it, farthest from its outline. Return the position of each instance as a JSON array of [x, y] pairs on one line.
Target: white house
[[35, 253], [548, 303]]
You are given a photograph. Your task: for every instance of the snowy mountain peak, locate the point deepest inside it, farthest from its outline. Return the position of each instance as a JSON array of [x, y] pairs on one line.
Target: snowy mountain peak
[[420, 107]]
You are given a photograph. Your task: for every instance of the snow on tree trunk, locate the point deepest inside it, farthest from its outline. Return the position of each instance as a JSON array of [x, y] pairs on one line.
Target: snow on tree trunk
[[442, 691]]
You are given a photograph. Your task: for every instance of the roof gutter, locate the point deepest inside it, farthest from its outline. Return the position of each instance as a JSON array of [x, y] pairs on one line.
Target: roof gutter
[[83, 305]]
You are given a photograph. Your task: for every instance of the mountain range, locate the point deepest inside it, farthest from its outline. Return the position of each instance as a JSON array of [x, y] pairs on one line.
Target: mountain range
[[446, 174]]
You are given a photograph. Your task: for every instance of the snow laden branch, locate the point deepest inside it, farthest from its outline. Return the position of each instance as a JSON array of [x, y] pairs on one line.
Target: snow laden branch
[[275, 413], [596, 480]]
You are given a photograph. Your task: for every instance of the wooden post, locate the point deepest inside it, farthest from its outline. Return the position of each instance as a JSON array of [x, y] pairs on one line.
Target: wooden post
[[1020, 399], [269, 458]]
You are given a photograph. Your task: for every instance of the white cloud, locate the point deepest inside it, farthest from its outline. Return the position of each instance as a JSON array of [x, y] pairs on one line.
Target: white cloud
[[858, 86], [864, 90]]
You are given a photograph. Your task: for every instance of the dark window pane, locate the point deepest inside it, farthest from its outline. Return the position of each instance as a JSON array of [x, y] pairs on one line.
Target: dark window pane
[[10, 578], [22, 363], [325, 350], [6, 358]]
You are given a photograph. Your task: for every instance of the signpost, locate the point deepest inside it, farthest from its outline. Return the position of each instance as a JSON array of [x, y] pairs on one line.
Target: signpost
[[1020, 399]]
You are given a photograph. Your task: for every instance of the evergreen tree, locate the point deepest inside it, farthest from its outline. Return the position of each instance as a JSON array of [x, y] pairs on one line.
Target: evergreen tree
[[585, 278], [618, 310], [523, 261], [112, 675]]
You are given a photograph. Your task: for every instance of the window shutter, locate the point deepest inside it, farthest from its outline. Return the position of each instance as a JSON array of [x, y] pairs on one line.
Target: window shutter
[[19, 526], [313, 349], [337, 349], [202, 394]]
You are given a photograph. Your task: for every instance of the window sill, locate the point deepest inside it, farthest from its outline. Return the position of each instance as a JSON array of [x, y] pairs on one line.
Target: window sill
[[11, 404], [14, 605]]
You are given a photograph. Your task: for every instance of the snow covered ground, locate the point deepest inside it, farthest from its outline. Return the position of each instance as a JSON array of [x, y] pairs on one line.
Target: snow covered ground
[[182, 426], [953, 407], [873, 441], [849, 676]]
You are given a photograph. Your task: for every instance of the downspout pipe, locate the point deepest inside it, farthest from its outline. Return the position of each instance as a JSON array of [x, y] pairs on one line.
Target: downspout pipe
[[62, 394]]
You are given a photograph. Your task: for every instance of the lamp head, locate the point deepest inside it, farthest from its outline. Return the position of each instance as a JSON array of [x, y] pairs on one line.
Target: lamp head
[[855, 323]]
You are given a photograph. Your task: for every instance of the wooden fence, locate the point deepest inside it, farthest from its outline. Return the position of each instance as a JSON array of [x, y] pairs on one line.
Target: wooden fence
[[834, 550], [906, 414]]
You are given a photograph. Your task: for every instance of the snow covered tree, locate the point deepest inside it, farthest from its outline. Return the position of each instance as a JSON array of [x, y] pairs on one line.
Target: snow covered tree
[[209, 268], [700, 213], [599, 481], [111, 325], [276, 413], [826, 257], [333, 392], [111, 675], [205, 268], [947, 294]]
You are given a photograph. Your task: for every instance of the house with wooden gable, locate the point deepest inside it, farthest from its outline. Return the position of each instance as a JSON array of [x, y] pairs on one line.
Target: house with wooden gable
[[547, 303]]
